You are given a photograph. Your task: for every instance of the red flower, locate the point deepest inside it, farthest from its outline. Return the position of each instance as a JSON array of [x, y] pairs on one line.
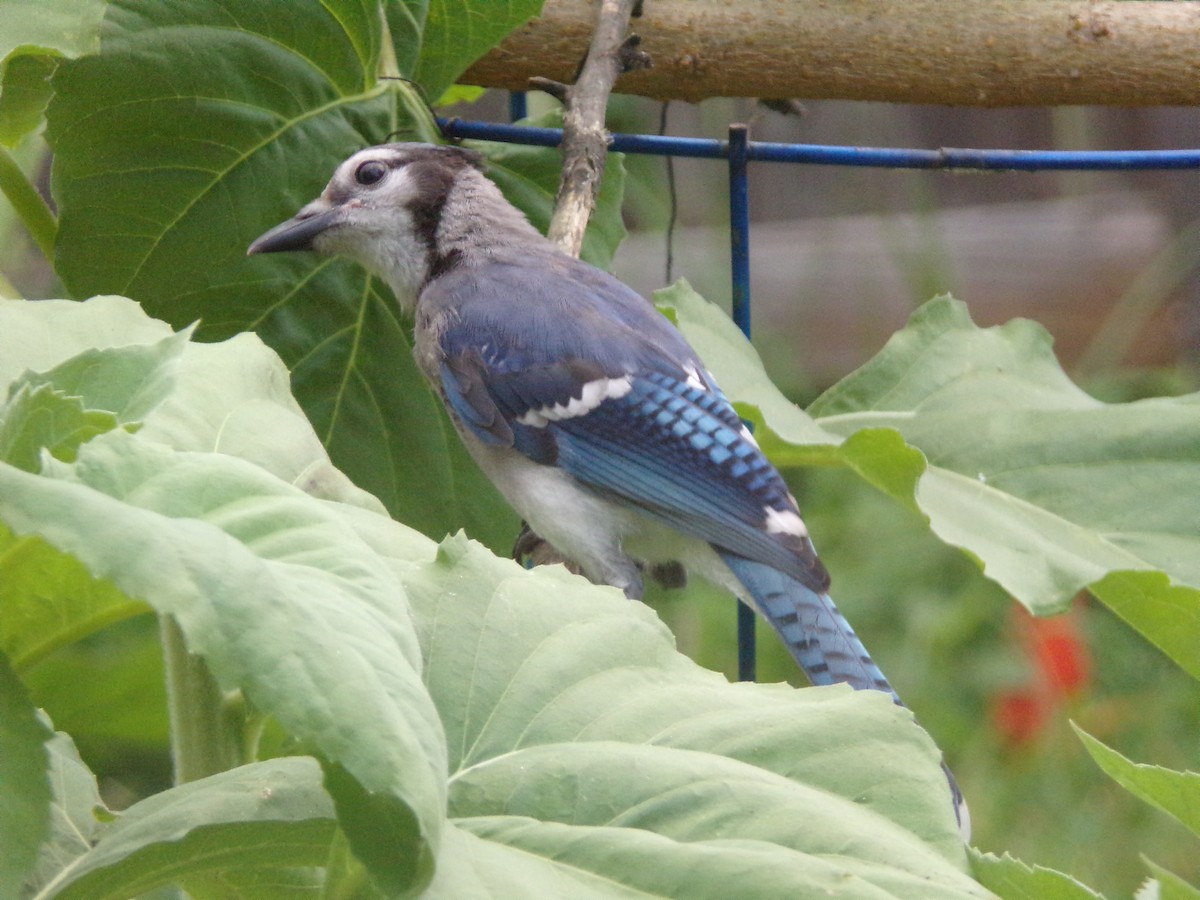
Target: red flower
[[1060, 671]]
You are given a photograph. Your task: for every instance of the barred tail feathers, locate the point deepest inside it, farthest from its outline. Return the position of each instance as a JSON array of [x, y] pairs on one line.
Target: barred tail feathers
[[815, 633]]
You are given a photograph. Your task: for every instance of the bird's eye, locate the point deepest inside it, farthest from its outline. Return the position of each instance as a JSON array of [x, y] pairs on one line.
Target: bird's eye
[[370, 172]]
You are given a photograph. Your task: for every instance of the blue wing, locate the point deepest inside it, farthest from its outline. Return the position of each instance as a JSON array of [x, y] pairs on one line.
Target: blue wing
[[670, 443]]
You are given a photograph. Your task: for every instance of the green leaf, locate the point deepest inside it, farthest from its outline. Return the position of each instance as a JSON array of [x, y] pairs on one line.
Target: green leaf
[[232, 117], [460, 93], [1169, 885], [50, 600], [217, 100], [35, 34], [44, 418], [1012, 879], [74, 819], [126, 382], [24, 93], [1166, 613], [109, 694], [89, 394], [24, 783], [602, 759], [231, 397], [196, 535], [197, 532], [1050, 490], [1175, 793], [472, 865], [267, 815], [453, 34]]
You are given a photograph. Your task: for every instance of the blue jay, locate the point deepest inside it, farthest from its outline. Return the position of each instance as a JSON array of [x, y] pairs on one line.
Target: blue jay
[[581, 402]]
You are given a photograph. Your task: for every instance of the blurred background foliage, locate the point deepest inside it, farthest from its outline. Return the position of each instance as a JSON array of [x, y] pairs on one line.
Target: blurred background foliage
[[1106, 261]]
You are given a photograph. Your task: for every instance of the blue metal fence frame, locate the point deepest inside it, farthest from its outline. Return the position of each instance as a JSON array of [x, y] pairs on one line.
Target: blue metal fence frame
[[739, 151]]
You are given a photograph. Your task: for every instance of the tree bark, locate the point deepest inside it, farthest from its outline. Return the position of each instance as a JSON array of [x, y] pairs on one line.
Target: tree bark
[[993, 53]]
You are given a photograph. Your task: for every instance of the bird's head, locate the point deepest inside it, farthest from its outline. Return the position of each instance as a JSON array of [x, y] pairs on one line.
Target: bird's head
[[404, 212]]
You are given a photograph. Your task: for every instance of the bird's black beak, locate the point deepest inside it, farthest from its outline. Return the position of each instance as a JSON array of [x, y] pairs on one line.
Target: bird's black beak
[[298, 232]]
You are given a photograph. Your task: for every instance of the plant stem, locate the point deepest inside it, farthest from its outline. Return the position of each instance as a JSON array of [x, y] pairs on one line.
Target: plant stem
[[410, 102], [1152, 288], [8, 290], [206, 726], [28, 203]]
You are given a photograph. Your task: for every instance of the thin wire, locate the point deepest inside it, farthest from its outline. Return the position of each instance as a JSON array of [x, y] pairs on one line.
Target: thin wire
[[672, 198]]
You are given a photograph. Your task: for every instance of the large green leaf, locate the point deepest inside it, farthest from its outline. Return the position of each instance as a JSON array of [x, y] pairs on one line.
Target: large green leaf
[[230, 117], [35, 35], [231, 398], [49, 601], [216, 101], [62, 408], [1049, 489], [280, 598], [269, 583], [24, 783], [598, 757]]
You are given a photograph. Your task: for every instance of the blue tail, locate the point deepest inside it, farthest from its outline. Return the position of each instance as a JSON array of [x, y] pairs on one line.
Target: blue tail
[[815, 633]]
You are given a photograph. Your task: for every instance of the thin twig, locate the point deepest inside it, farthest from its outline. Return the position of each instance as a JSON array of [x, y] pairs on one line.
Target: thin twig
[[585, 140]]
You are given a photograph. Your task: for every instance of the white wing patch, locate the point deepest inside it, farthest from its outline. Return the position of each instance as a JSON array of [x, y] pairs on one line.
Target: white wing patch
[[784, 521], [591, 395], [694, 379]]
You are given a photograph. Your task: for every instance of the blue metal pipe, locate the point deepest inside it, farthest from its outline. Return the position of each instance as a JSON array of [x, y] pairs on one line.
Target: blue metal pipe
[[739, 225], [822, 154], [739, 257], [518, 105]]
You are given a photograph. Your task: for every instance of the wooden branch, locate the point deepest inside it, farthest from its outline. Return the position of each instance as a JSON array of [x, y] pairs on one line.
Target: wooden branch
[[994, 53], [585, 139]]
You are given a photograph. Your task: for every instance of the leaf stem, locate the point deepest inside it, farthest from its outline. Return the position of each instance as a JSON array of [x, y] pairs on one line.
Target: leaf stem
[[411, 103], [206, 725], [1145, 296], [28, 203]]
